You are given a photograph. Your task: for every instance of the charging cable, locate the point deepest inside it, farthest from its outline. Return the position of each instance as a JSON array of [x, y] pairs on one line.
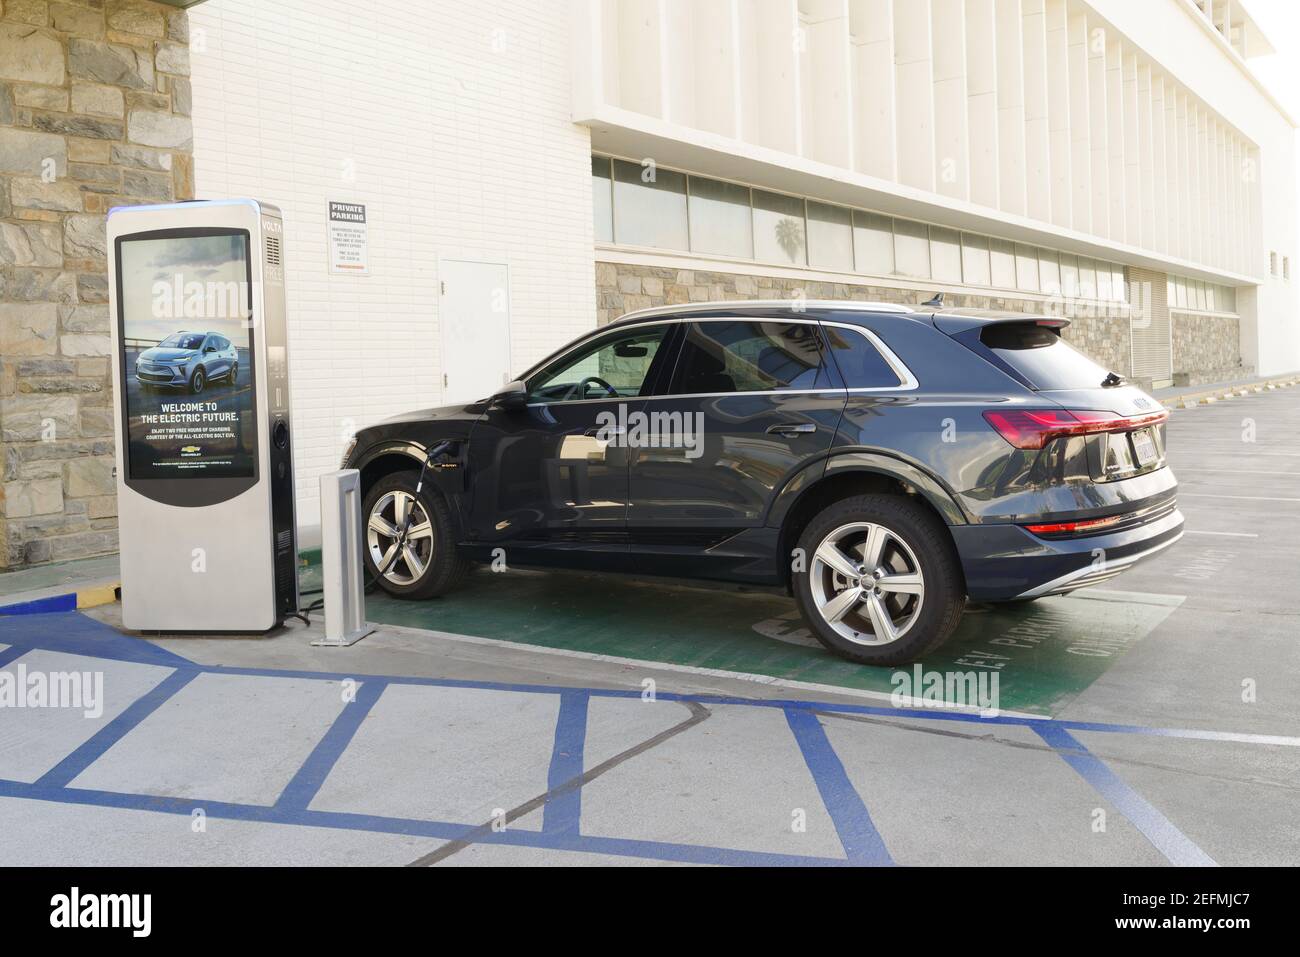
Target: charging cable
[[369, 586]]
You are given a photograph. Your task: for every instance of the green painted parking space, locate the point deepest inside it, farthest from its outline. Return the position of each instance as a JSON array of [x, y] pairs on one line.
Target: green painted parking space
[[1044, 653]]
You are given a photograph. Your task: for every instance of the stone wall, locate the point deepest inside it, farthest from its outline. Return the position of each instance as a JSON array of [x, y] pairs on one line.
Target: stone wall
[[623, 288], [94, 113], [1206, 349]]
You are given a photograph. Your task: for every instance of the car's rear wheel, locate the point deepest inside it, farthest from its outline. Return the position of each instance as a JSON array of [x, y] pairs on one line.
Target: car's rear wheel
[[422, 564], [198, 381], [880, 582], [234, 374]]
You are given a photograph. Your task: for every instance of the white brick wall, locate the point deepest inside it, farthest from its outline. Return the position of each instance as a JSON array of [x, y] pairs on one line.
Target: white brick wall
[[451, 122]]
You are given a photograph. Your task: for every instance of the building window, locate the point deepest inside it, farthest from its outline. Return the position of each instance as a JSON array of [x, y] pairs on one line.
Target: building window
[[602, 199], [720, 218], [975, 259], [945, 254], [1070, 275], [873, 243], [638, 205], [911, 249], [1002, 259], [779, 232], [1026, 268], [830, 237], [649, 206], [1049, 272], [1087, 278], [1286, 267], [1272, 263]]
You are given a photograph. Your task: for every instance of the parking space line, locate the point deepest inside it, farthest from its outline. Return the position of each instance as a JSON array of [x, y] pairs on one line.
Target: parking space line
[[791, 683], [303, 787], [862, 842], [563, 808], [1240, 498], [12, 653], [1197, 531], [1187, 468], [93, 748], [561, 803], [1177, 848]]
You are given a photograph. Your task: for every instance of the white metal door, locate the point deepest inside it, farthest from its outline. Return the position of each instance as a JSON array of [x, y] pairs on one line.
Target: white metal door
[[474, 313]]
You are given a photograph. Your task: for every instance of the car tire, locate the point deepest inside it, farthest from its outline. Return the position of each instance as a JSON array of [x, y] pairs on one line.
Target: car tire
[[198, 381], [444, 566], [233, 376], [917, 556]]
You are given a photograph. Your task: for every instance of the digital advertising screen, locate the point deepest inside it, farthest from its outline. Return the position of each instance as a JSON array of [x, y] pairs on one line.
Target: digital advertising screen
[[186, 341]]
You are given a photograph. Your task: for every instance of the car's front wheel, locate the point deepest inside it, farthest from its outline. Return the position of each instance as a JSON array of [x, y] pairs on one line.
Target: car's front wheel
[[878, 581], [423, 562], [198, 381], [233, 377]]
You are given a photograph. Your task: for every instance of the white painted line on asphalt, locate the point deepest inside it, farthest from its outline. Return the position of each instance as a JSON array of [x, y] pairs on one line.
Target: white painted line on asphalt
[[1186, 468], [1241, 451], [905, 701], [1242, 498], [1194, 531]]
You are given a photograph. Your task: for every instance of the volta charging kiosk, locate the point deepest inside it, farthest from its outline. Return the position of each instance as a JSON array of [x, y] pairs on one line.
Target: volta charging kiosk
[[204, 461]]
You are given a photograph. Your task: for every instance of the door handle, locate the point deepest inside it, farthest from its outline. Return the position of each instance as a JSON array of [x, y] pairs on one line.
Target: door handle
[[612, 433], [791, 429]]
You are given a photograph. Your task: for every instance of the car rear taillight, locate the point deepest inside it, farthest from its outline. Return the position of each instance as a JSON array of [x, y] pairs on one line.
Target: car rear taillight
[[1058, 528], [1034, 428]]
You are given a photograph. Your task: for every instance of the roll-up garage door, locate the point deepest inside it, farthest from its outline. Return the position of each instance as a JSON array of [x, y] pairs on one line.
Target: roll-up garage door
[[1149, 327]]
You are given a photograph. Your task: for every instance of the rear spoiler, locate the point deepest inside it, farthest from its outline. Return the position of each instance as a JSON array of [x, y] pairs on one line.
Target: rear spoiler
[[956, 321]]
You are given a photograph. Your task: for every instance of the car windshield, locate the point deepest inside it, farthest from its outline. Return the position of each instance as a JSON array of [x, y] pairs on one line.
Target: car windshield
[[182, 340]]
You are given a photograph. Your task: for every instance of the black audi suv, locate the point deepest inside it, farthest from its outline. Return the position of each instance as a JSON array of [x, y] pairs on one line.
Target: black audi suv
[[884, 464]]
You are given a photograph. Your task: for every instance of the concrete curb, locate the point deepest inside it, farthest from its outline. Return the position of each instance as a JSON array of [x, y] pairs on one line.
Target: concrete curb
[[43, 601], [1191, 400]]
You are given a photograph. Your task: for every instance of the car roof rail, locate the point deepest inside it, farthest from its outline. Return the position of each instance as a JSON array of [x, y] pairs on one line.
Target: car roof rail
[[802, 305]]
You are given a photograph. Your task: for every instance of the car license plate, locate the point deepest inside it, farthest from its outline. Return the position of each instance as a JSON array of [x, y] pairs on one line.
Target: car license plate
[[1144, 446]]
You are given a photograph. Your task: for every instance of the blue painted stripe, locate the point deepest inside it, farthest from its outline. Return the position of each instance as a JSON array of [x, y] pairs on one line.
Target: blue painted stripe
[[42, 606], [1177, 848], [73, 633], [11, 653], [91, 750], [562, 812], [862, 842], [300, 791], [442, 830]]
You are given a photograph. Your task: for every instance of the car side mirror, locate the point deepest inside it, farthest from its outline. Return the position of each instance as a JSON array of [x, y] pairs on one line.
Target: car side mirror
[[512, 398]]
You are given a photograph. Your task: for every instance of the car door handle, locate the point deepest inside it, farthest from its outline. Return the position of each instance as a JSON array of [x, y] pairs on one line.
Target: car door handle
[[791, 429], [612, 433]]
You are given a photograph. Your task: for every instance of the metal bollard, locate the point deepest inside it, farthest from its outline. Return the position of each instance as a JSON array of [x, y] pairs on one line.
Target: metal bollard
[[341, 544]]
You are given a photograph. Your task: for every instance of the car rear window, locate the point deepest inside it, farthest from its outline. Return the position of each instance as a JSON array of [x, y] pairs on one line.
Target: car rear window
[[860, 363], [1040, 356]]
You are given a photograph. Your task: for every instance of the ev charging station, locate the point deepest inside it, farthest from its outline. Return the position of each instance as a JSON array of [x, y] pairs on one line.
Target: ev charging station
[[207, 536]]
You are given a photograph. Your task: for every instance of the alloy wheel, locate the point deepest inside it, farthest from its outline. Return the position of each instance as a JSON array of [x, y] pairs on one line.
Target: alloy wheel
[[867, 583], [400, 562]]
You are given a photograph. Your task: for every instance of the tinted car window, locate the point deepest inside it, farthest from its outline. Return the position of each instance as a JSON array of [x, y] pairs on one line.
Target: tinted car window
[[1041, 356], [182, 340], [618, 361], [737, 356], [860, 363]]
